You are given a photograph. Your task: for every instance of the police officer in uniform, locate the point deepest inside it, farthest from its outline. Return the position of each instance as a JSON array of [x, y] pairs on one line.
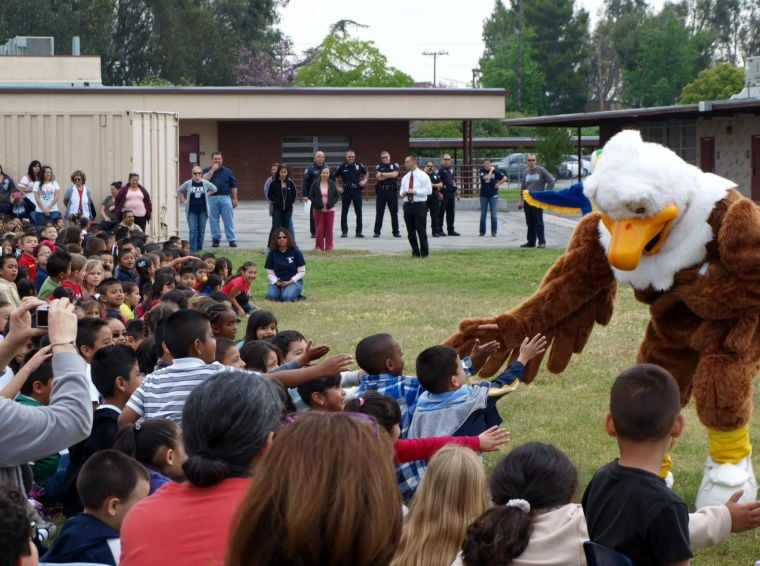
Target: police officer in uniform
[[449, 196], [434, 200], [386, 188], [354, 177], [311, 176]]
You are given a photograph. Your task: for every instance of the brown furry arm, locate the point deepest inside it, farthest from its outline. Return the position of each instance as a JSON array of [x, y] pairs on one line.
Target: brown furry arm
[[577, 291]]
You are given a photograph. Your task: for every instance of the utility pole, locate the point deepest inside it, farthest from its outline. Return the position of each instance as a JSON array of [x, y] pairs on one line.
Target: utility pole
[[435, 55], [518, 94]]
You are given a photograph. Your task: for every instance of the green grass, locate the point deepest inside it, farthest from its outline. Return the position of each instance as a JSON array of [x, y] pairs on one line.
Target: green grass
[[420, 302], [511, 194]]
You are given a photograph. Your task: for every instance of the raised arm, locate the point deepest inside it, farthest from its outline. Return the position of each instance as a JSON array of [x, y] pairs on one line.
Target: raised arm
[[577, 292]]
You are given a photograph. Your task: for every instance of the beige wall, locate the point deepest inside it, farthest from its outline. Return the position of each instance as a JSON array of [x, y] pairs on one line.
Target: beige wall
[[294, 104], [42, 70], [733, 140], [208, 136]]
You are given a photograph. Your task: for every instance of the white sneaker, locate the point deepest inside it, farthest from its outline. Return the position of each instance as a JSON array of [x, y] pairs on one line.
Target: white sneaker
[[720, 481]]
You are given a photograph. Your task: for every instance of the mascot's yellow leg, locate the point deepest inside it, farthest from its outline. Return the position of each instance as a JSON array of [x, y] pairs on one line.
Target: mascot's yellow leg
[[729, 446], [667, 463]]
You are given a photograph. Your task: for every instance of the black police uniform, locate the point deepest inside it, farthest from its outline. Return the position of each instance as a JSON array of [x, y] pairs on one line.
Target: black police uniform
[[311, 176], [351, 174], [434, 203], [387, 193], [449, 200]]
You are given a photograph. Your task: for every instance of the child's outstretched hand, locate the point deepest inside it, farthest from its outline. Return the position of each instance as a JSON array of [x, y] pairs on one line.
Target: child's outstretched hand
[[480, 353], [493, 438], [532, 347], [312, 353], [744, 516]]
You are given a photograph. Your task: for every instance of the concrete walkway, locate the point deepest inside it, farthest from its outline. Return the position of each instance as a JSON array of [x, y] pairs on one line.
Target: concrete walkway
[[252, 224]]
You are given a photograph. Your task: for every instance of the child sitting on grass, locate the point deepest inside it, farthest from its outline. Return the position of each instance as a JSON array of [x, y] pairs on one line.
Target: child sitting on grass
[[627, 505], [324, 394], [110, 483], [535, 519], [158, 445], [380, 356], [451, 407], [386, 411]]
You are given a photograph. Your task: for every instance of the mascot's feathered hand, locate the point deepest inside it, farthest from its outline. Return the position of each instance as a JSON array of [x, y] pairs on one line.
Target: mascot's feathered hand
[[577, 292]]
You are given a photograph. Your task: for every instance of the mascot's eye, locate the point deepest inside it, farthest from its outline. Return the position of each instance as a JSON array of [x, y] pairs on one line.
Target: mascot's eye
[[641, 210]]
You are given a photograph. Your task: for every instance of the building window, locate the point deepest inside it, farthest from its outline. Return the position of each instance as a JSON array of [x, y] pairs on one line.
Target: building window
[[678, 135], [300, 150]]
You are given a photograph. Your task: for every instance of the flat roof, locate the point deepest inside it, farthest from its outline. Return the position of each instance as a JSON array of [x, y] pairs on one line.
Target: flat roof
[[513, 142], [709, 108], [263, 103]]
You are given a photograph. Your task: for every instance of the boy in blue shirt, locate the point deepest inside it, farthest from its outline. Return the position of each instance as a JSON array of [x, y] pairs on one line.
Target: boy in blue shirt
[[381, 357], [450, 406], [110, 483]]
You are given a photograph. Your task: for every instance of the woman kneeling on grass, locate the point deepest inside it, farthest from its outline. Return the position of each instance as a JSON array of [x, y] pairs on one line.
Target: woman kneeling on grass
[[285, 267]]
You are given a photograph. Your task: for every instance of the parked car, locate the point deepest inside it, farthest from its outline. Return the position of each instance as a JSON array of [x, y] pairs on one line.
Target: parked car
[[515, 166], [569, 167]]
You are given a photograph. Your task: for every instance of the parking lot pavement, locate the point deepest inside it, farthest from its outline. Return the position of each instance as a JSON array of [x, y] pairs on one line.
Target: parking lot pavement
[[252, 225]]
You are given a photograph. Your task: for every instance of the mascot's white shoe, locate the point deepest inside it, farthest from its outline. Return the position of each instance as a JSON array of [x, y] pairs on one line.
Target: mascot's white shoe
[[720, 481]]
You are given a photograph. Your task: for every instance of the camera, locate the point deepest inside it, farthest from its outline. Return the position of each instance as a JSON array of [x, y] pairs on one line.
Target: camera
[[40, 317]]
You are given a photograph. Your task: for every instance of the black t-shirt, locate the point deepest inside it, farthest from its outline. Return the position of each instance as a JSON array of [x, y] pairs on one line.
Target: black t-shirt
[[196, 198], [388, 168], [632, 511]]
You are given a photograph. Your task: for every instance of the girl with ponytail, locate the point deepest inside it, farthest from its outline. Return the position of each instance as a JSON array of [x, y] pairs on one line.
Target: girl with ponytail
[[532, 520]]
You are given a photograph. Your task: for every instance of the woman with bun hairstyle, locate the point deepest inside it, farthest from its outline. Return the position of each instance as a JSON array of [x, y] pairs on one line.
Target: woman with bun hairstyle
[[228, 424]]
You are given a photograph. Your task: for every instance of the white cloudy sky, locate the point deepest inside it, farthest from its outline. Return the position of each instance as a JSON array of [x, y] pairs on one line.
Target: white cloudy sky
[[403, 29]]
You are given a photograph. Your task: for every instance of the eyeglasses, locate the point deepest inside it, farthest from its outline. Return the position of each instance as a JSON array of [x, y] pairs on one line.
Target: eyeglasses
[[119, 334], [197, 172], [77, 178], [529, 160], [282, 237]]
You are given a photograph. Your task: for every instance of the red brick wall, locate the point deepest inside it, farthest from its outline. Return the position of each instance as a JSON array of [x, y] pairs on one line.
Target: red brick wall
[[250, 148]]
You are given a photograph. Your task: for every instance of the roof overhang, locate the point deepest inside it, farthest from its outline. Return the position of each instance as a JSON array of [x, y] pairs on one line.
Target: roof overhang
[[683, 111], [264, 103]]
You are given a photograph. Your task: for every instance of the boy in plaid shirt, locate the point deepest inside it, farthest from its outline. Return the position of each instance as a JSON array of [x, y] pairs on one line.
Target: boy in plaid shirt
[[380, 355]]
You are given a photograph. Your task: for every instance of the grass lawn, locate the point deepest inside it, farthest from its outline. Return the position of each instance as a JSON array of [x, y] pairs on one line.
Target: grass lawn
[[420, 302]]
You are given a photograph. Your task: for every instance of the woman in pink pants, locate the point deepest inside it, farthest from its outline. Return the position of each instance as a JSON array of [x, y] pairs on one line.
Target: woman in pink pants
[[323, 196]]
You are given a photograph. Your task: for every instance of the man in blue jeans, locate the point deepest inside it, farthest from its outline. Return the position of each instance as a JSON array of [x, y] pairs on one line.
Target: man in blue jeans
[[490, 181], [223, 201]]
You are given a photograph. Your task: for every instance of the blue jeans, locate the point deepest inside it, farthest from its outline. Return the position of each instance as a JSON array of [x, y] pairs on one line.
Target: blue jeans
[[196, 223], [40, 219], [289, 293], [221, 206], [486, 202]]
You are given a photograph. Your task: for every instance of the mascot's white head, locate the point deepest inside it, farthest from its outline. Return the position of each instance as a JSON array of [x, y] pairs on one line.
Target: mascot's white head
[[654, 209]]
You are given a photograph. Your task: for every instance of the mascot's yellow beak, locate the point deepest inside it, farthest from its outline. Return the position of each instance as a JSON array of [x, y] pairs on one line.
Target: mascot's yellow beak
[[634, 237]]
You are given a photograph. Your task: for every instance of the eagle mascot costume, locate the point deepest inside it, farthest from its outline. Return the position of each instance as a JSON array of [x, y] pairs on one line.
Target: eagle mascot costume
[[689, 244]]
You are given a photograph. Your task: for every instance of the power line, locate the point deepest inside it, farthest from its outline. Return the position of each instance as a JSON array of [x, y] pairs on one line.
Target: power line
[[435, 55]]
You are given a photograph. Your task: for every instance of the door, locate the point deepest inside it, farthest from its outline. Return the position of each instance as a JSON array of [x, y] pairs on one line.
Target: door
[[755, 165], [707, 154], [189, 148]]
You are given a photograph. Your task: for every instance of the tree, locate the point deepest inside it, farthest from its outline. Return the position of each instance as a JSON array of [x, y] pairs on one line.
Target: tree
[[552, 145], [561, 52], [343, 61], [718, 83], [550, 63], [669, 57], [499, 70]]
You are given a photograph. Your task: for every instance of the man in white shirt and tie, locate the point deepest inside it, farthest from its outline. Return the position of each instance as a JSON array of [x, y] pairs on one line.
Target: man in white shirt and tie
[[415, 188]]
